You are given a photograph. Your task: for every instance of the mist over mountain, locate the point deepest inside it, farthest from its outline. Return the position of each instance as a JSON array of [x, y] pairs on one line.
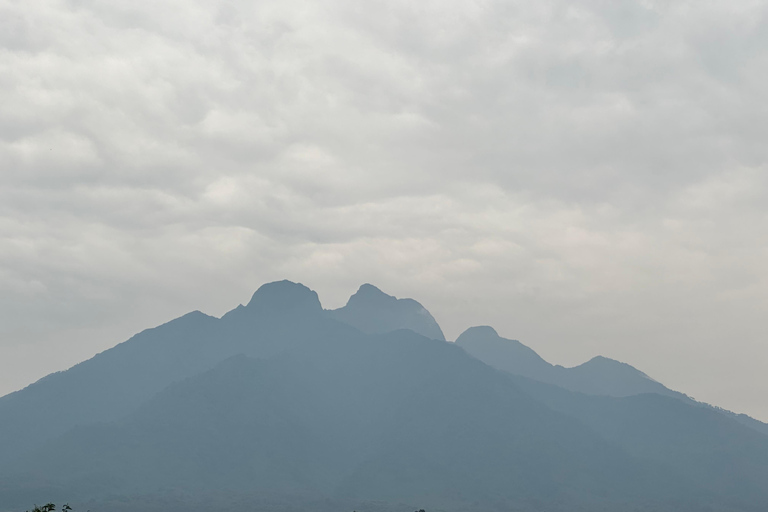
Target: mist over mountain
[[286, 406]]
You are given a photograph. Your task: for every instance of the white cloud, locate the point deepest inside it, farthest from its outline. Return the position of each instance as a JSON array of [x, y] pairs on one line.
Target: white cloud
[[587, 177]]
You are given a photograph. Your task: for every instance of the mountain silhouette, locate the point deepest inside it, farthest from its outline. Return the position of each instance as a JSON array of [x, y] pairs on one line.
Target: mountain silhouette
[[391, 418], [374, 312], [118, 380], [279, 403], [598, 376]]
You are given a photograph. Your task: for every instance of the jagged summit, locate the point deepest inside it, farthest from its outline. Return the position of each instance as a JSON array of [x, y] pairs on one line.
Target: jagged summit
[[374, 312], [284, 297]]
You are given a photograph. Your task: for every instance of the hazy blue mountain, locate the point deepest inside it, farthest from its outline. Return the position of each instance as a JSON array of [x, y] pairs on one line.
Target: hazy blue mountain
[[374, 312], [392, 418], [106, 386], [281, 404], [118, 380], [512, 356], [598, 376]]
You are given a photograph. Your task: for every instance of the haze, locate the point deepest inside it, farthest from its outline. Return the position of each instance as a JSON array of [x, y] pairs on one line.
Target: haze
[[588, 178]]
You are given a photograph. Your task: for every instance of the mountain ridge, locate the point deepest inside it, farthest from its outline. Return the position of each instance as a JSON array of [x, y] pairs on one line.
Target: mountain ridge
[[284, 393], [599, 375]]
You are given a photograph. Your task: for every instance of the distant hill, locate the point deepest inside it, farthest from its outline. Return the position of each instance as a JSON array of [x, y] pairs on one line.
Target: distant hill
[[279, 405]]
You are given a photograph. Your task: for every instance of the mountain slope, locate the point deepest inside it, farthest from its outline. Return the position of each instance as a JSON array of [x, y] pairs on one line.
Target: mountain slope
[[281, 401], [106, 386], [394, 418], [700, 442], [116, 381]]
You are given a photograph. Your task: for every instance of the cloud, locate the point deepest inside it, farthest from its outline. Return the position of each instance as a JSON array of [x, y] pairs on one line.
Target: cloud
[[590, 177]]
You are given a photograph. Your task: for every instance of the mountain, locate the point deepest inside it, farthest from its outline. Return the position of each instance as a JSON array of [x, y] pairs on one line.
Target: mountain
[[116, 381], [106, 386], [395, 418], [598, 376], [281, 405], [374, 312]]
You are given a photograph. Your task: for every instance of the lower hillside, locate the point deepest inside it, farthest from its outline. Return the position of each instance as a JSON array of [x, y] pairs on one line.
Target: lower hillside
[[395, 418], [279, 406]]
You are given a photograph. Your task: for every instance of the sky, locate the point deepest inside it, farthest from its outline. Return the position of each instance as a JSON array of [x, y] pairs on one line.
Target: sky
[[587, 177]]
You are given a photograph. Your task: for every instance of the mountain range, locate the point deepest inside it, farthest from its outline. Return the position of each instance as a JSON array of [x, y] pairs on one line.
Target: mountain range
[[282, 405]]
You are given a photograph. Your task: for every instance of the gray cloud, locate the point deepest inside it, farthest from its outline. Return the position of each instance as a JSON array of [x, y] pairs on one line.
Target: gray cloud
[[589, 178]]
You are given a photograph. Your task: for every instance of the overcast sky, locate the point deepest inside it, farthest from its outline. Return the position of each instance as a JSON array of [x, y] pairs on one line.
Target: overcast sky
[[588, 177]]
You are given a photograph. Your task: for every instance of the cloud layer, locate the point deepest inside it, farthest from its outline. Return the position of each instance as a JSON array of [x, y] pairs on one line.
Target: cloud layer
[[589, 178]]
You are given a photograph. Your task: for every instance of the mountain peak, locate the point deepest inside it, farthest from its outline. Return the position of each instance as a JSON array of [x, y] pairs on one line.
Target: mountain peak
[[370, 295], [477, 332], [605, 361], [484, 343], [374, 312], [625, 373], [284, 296]]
